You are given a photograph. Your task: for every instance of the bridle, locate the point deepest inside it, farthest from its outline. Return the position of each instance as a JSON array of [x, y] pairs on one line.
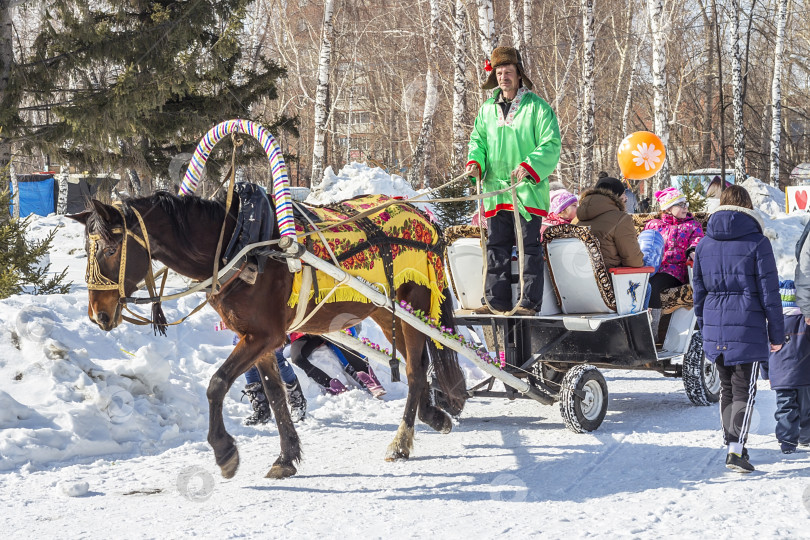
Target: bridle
[[96, 281]]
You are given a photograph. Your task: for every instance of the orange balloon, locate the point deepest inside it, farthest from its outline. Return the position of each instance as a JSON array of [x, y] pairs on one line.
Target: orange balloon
[[641, 155]]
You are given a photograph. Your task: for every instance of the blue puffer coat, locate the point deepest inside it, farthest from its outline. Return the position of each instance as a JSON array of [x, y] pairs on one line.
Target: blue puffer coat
[[736, 288], [790, 366]]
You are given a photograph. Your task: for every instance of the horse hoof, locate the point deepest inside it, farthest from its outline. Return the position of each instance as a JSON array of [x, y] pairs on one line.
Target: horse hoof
[[279, 471], [396, 455], [230, 465], [447, 427]]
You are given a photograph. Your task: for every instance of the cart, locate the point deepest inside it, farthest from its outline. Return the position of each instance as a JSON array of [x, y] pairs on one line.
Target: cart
[[591, 319]]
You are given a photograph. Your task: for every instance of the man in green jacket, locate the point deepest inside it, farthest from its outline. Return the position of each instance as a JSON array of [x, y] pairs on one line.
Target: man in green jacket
[[516, 136]]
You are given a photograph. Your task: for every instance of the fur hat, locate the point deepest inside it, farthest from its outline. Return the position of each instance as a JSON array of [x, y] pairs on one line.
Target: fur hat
[[560, 200], [500, 57], [611, 184], [669, 197]]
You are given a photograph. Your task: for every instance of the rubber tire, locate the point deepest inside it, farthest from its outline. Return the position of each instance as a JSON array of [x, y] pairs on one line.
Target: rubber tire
[[578, 378], [695, 366]]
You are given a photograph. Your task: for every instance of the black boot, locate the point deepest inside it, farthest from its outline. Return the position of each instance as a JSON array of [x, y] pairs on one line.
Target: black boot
[[298, 403], [261, 407]]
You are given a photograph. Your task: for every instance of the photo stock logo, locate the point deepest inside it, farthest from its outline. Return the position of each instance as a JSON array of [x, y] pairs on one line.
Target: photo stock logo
[[195, 484], [511, 488], [177, 166], [35, 323], [117, 403]]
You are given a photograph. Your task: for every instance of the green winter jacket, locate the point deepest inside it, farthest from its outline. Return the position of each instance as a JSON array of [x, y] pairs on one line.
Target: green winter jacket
[[528, 136]]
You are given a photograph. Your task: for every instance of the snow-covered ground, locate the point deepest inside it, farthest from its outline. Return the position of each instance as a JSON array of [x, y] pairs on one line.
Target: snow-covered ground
[[103, 435]]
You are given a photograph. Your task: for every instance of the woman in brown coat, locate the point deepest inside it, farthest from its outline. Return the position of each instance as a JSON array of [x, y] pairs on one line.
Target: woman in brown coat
[[602, 209]]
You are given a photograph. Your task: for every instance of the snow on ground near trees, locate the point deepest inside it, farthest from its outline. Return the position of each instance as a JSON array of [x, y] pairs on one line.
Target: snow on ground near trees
[[104, 435]]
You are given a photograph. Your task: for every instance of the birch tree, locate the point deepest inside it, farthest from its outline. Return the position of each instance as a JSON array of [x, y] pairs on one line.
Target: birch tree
[[588, 42], [486, 26], [514, 24], [659, 24], [776, 93], [6, 63], [628, 100], [708, 82], [459, 83], [422, 150], [737, 98], [321, 105], [527, 32]]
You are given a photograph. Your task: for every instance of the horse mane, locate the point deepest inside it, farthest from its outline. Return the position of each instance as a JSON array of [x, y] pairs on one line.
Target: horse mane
[[183, 213]]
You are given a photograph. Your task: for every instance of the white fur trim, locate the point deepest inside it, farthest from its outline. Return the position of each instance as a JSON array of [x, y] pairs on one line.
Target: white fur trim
[[746, 211]]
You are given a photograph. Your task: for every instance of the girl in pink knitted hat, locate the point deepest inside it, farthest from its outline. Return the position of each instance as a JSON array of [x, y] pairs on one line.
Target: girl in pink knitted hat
[[562, 210], [681, 234]]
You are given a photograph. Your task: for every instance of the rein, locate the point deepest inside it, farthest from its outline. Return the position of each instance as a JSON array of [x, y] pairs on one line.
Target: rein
[[96, 281]]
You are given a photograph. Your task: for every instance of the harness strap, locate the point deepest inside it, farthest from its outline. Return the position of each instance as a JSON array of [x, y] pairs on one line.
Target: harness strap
[[215, 286], [376, 237], [303, 299]]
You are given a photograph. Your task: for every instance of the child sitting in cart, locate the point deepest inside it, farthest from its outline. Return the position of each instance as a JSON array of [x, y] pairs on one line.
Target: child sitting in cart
[[681, 233], [562, 210], [303, 345]]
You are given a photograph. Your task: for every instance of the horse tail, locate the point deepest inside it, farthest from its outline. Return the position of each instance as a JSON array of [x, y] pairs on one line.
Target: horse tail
[[445, 363]]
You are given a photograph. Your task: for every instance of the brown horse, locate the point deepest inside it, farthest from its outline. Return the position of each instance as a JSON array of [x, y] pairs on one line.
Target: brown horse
[[183, 233]]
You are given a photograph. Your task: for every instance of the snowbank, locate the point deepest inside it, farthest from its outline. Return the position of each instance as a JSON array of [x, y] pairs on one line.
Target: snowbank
[[358, 179], [782, 229]]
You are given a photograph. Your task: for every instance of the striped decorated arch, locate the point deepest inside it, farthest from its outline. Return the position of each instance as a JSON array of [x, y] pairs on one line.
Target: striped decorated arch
[[281, 184]]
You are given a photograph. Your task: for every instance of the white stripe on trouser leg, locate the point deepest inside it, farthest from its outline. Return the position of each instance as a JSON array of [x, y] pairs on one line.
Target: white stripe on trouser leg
[[749, 405]]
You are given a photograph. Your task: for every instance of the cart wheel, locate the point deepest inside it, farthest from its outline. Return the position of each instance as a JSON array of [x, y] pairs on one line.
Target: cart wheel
[[700, 377], [583, 398], [548, 374]]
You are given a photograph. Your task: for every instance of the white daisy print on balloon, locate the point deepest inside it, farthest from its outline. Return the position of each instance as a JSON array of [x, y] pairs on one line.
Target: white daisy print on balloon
[[647, 156]]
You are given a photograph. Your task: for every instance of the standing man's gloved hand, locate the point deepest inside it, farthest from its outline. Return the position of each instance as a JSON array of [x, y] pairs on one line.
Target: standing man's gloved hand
[[473, 170]]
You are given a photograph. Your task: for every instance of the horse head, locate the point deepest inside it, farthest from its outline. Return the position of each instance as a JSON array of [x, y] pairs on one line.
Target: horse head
[[117, 259]]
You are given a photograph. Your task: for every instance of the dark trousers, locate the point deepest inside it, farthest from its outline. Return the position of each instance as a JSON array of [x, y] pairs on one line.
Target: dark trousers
[[658, 284], [738, 390], [302, 348], [793, 415], [501, 238]]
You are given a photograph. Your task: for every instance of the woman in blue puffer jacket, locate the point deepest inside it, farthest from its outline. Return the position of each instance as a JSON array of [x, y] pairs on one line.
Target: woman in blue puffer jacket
[[739, 311]]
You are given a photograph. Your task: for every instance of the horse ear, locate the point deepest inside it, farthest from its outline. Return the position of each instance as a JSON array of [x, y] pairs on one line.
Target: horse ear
[[80, 217], [102, 210]]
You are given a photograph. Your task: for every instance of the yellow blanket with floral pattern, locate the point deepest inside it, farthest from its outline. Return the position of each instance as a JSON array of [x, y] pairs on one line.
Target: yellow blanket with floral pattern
[[415, 245]]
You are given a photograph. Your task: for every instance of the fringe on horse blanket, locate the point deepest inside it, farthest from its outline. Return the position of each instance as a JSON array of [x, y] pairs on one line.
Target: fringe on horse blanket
[[415, 243]]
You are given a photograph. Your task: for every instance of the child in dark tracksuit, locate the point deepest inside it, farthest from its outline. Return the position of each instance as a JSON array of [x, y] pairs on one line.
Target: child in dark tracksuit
[[789, 371]]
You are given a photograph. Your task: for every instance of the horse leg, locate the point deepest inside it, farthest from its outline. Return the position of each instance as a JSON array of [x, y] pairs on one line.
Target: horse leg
[[290, 443], [401, 446], [429, 413], [225, 451]]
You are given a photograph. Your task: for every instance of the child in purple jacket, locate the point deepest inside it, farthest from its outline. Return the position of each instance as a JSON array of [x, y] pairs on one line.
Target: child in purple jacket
[[681, 234]]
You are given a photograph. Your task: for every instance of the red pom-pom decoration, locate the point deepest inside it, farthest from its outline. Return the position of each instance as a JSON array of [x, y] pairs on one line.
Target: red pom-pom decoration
[[487, 65]]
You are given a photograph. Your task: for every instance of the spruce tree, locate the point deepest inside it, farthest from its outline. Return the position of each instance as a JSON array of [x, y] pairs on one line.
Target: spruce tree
[[692, 189], [133, 83], [457, 212], [20, 271]]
